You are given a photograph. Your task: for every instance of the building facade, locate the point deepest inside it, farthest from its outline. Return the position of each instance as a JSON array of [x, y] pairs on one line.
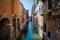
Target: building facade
[[9, 19], [48, 15], [51, 19], [25, 15], [33, 14], [39, 16], [21, 13], [25, 20]]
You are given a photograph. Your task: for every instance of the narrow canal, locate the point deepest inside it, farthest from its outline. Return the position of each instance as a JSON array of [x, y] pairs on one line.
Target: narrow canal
[[31, 34]]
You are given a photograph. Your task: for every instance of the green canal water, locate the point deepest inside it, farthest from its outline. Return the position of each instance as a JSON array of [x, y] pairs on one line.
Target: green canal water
[[31, 34]]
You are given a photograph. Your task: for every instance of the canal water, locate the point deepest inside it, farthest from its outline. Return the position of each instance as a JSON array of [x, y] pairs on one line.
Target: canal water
[[31, 34]]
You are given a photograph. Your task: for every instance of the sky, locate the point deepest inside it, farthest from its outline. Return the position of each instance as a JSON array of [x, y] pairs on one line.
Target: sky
[[27, 5]]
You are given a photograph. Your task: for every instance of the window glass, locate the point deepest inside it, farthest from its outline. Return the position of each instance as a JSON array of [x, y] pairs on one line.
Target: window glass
[[49, 34]]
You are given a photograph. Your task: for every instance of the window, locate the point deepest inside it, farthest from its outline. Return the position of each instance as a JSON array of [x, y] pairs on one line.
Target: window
[[6, 38], [49, 35], [44, 27], [37, 1], [58, 3], [57, 0], [1, 37], [35, 13], [43, 0], [41, 11], [50, 7], [49, 4], [14, 24], [18, 25]]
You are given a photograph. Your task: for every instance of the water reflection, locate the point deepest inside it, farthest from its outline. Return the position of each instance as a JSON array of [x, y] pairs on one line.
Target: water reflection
[[31, 34], [28, 35]]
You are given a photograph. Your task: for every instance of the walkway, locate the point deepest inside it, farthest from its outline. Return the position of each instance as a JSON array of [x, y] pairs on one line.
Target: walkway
[[36, 35]]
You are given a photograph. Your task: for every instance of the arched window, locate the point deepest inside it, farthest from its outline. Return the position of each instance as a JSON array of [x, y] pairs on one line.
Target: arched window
[[18, 24], [49, 4], [44, 27], [14, 24], [49, 35]]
